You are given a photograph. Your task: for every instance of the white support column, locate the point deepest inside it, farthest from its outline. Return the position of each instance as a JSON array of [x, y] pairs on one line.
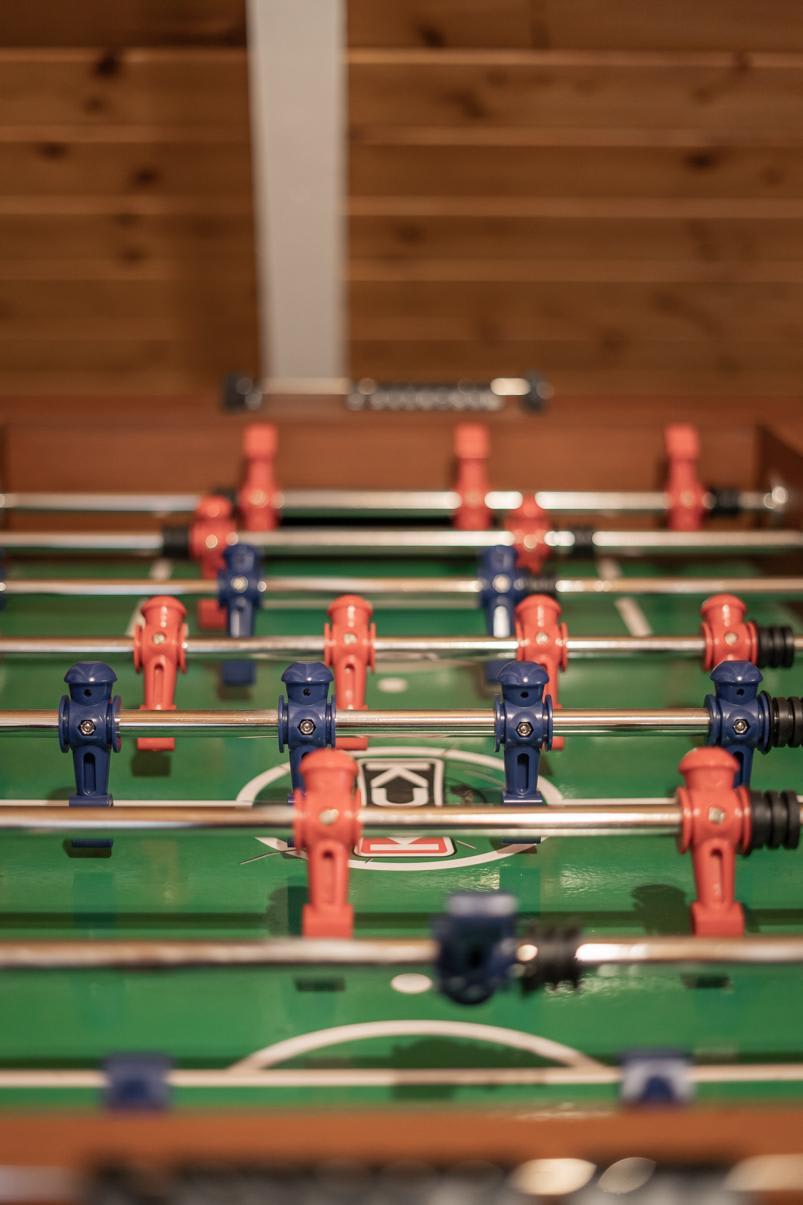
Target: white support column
[[298, 120]]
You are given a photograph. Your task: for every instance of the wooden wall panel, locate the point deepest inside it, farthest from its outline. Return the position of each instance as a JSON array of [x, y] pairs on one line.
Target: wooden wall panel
[[187, 86], [592, 233], [123, 23], [577, 90], [610, 193], [579, 24], [126, 233], [743, 25], [125, 229], [547, 310], [440, 23], [154, 162], [499, 172]]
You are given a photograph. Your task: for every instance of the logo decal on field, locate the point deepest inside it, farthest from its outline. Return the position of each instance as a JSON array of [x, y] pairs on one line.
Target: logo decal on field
[[391, 782], [414, 782], [404, 847], [391, 755]]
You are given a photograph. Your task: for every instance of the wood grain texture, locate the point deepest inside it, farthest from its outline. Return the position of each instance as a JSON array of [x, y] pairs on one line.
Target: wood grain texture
[[617, 188], [546, 236], [40, 23], [181, 299], [439, 23], [715, 91], [124, 87], [578, 24], [170, 351], [468, 310], [120, 230], [742, 25], [609, 352], [64, 162], [126, 231], [611, 192], [569, 172]]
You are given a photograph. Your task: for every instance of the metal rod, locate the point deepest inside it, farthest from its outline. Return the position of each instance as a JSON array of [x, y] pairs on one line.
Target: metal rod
[[674, 950], [692, 721], [269, 1078], [381, 952], [151, 955], [370, 542], [141, 543], [694, 587], [425, 542], [601, 818], [355, 502], [283, 648], [101, 502], [402, 589]]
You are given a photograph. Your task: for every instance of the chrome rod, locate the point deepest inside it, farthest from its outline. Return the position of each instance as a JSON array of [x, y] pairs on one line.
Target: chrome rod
[[587, 1074], [279, 951], [626, 646], [66, 646], [168, 954], [402, 589], [108, 588], [601, 818], [383, 502], [623, 646], [284, 648], [101, 502], [434, 503], [752, 541], [137, 542], [425, 542], [668, 951], [694, 587], [370, 542], [692, 721]]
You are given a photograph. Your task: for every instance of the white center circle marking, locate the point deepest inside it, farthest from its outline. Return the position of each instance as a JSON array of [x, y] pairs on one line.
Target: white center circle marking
[[248, 793]]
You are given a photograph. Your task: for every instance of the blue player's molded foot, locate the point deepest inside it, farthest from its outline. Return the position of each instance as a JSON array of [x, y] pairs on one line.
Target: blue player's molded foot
[[137, 1083], [238, 673]]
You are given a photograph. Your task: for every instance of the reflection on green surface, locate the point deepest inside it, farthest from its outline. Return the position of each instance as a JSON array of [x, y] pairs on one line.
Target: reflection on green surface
[[224, 885]]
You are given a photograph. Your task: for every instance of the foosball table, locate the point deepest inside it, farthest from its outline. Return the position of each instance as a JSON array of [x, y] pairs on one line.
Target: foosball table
[[455, 825]]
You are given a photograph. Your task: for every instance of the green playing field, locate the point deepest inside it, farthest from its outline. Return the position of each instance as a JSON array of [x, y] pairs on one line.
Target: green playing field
[[229, 886]]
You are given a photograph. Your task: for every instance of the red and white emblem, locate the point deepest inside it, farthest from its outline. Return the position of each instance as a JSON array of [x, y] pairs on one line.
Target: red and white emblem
[[404, 847], [412, 782]]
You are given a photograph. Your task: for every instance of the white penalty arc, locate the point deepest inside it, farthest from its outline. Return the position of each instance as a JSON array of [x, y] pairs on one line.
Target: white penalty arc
[[496, 1035], [248, 793]]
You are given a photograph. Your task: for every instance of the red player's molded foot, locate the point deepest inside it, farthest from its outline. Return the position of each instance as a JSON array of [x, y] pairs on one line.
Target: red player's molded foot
[[326, 922], [258, 497], [472, 446], [708, 921], [685, 493]]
